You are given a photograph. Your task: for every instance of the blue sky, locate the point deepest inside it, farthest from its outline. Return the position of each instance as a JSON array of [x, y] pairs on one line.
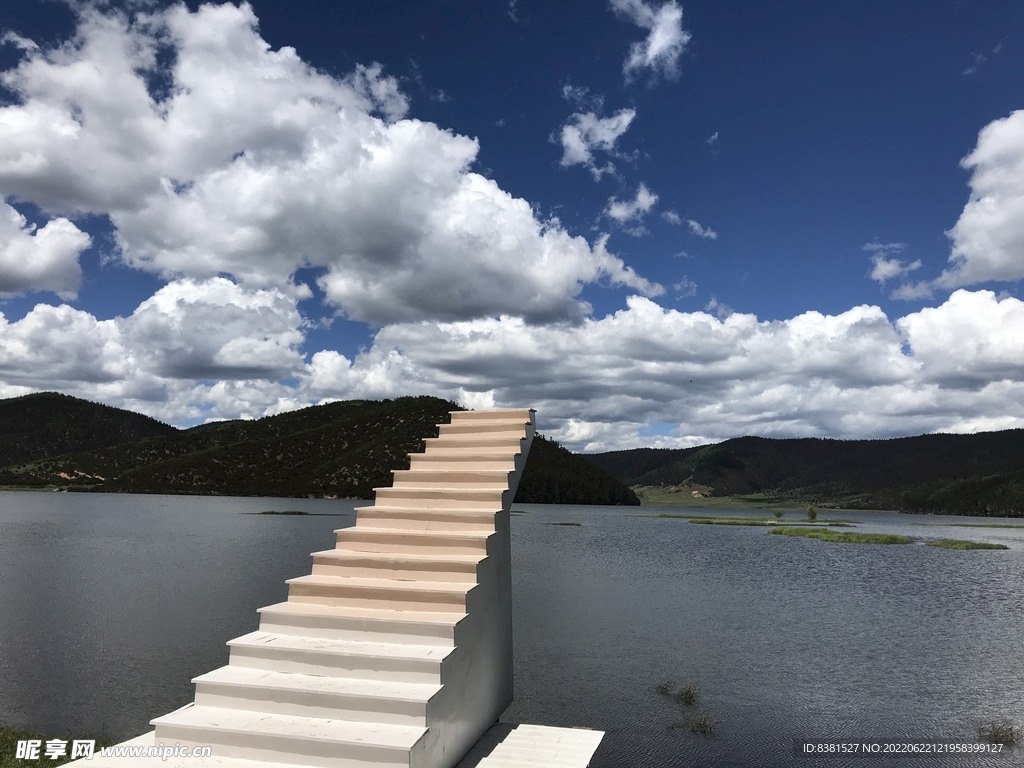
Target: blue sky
[[658, 223]]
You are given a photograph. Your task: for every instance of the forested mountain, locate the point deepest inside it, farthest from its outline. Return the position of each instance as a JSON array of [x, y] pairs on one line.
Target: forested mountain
[[48, 424], [979, 474], [553, 475], [342, 449]]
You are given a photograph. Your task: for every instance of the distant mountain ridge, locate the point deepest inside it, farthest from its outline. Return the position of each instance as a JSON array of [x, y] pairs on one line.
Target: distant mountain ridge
[[342, 449], [976, 474]]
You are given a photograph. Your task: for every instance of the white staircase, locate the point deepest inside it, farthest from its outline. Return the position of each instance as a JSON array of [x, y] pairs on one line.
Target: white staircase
[[397, 649]]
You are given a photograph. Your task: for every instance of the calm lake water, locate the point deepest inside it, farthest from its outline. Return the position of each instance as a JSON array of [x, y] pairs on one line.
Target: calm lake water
[[109, 605]]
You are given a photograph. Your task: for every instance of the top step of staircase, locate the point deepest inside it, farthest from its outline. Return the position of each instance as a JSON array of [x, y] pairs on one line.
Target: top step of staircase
[[526, 414]]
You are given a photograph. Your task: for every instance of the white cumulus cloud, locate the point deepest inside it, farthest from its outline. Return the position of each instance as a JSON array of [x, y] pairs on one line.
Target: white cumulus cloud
[[253, 164], [666, 39], [885, 266], [626, 211], [43, 259], [988, 238], [585, 133]]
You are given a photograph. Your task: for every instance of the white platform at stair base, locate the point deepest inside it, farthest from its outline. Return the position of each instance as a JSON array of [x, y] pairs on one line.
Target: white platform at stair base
[[503, 746]]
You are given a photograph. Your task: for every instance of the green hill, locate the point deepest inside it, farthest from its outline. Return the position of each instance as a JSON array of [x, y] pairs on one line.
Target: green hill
[[553, 475], [979, 474], [342, 449], [48, 424]]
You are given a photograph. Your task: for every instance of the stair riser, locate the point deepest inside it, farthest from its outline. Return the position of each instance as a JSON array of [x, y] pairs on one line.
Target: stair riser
[[338, 665], [362, 709], [397, 543], [280, 749], [350, 628], [328, 568], [426, 522], [363, 597]]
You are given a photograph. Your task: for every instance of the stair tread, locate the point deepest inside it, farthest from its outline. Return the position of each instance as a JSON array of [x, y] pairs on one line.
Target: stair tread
[[263, 639], [292, 681], [397, 557], [482, 510], [456, 489], [399, 585], [394, 615], [294, 726], [468, 488], [414, 533]]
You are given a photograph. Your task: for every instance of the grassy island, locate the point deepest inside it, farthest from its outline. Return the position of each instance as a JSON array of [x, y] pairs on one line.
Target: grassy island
[[961, 544], [845, 537]]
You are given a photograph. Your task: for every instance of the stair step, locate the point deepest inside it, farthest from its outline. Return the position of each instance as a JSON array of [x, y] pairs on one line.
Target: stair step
[[439, 459], [336, 562], [331, 657], [484, 426], [327, 743], [467, 476], [367, 624], [281, 693], [377, 592], [382, 539], [526, 414], [441, 498], [426, 519], [485, 443]]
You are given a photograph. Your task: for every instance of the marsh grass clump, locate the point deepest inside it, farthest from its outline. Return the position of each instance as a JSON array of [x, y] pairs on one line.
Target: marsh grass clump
[[687, 695], [961, 544], [1000, 732], [845, 537], [778, 514], [701, 724], [812, 513], [664, 687]]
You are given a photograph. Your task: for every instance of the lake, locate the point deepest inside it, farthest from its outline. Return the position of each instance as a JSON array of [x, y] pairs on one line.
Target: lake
[[110, 604]]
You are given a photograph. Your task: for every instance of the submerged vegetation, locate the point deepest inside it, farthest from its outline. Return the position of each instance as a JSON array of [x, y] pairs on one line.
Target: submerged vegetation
[[701, 724], [1000, 732], [687, 695]]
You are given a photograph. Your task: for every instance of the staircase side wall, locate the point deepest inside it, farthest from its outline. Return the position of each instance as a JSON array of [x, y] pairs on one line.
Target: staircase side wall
[[477, 677]]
